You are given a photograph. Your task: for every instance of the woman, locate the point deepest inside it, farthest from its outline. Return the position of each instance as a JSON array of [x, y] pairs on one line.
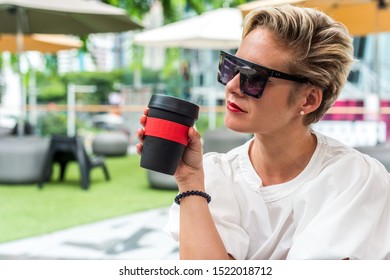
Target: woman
[[290, 192]]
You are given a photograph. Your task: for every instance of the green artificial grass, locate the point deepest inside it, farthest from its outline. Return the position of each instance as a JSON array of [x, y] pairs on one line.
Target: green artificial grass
[[27, 211]]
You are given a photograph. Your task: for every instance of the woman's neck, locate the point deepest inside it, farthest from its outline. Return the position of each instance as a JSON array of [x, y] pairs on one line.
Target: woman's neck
[[279, 159]]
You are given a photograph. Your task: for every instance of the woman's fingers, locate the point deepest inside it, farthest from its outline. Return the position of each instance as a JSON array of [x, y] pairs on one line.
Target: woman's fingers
[[141, 131], [139, 147], [142, 120], [195, 142], [140, 135]]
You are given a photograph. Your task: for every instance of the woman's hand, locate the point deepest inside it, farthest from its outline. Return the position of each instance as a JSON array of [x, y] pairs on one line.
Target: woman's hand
[[189, 174]]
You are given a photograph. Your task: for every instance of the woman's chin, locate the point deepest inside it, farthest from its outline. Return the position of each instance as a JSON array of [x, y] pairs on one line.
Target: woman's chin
[[235, 125]]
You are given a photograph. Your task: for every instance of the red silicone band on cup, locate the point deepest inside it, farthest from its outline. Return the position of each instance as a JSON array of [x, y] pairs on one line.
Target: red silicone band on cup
[[167, 130]]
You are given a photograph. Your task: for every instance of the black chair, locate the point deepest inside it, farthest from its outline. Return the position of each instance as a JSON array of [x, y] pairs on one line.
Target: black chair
[[64, 149]]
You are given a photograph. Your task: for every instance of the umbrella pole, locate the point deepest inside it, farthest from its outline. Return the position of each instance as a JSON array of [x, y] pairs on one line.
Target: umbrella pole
[[19, 42], [71, 122]]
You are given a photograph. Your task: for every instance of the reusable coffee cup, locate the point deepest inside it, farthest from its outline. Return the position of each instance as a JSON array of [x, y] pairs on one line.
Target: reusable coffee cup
[[166, 132]]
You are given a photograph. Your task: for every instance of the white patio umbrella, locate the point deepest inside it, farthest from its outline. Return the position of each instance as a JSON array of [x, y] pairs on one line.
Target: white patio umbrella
[[215, 29], [77, 17]]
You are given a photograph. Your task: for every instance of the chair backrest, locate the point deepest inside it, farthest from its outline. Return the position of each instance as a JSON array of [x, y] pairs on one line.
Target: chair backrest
[[69, 148], [82, 152], [63, 143]]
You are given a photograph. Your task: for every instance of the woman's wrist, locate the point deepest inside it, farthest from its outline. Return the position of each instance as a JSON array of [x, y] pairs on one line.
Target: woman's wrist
[[193, 193], [195, 183]]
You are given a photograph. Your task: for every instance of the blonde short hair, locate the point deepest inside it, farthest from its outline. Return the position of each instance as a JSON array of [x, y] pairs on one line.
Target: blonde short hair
[[321, 48]]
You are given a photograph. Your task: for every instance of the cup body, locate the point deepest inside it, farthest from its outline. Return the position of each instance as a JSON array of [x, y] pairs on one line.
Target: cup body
[[166, 132]]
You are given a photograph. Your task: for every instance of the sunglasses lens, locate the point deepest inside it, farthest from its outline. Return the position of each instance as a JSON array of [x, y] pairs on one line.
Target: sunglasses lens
[[226, 70], [252, 82]]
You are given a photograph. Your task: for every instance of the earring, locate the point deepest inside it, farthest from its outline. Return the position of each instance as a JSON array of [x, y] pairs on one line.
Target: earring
[[301, 113]]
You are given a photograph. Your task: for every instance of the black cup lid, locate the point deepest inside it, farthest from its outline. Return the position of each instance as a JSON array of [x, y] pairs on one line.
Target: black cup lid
[[174, 104]]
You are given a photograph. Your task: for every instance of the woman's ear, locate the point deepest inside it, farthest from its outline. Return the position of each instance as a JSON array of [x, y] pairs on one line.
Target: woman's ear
[[312, 99]]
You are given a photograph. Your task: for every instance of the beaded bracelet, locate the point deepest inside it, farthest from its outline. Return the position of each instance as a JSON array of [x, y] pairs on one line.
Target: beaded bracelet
[[188, 193]]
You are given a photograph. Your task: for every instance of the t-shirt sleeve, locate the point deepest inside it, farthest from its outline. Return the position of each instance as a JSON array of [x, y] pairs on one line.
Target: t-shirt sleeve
[[223, 207], [353, 222]]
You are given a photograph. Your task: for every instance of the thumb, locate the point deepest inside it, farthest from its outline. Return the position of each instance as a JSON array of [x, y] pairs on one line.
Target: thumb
[[194, 136]]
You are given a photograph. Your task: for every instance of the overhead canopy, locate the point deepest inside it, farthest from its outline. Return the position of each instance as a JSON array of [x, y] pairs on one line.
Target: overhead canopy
[[361, 17], [40, 42], [215, 29], [77, 17]]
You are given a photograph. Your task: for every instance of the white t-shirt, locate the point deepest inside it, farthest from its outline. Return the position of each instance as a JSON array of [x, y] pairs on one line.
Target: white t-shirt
[[338, 207]]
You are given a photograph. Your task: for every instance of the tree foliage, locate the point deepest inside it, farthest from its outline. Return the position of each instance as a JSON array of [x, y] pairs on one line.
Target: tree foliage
[[172, 9]]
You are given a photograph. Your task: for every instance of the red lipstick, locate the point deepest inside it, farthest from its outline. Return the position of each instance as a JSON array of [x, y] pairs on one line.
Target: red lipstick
[[233, 107]]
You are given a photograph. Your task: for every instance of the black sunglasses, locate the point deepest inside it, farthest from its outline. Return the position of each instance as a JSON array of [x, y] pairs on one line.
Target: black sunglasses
[[253, 77]]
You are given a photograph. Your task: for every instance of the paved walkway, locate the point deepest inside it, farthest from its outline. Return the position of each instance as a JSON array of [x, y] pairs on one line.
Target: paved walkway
[[134, 237]]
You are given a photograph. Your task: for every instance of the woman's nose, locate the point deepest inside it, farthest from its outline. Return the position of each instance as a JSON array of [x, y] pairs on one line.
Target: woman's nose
[[233, 86]]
